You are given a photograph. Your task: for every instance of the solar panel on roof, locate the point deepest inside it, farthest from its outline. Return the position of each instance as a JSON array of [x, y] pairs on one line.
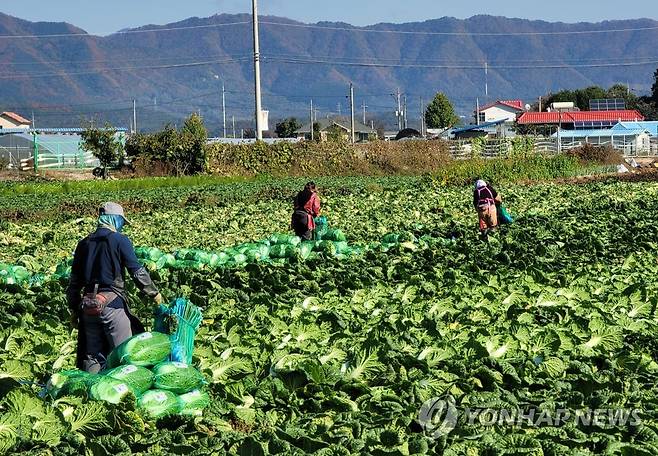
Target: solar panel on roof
[[594, 124], [607, 104]]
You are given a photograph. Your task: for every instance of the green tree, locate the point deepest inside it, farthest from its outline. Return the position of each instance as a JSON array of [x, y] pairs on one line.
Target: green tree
[[180, 152], [287, 128], [190, 156], [440, 113], [103, 143], [317, 136]]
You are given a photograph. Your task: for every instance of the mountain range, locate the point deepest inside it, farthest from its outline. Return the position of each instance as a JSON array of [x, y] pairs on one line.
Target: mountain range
[[63, 75]]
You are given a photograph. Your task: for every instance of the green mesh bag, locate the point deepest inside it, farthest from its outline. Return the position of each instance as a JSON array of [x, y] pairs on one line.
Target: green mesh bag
[[159, 403], [193, 403], [257, 252], [240, 258], [58, 380], [165, 261], [178, 378], [149, 253], [79, 385], [14, 275], [138, 378], [109, 390], [342, 247], [283, 251], [305, 249], [391, 238], [321, 227], [285, 239], [146, 349], [334, 235], [326, 247], [63, 269]]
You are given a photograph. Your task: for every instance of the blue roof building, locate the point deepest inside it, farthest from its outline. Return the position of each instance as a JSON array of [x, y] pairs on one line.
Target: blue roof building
[[651, 127], [630, 141]]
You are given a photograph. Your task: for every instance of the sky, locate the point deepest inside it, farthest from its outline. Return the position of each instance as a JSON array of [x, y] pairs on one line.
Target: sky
[[103, 17]]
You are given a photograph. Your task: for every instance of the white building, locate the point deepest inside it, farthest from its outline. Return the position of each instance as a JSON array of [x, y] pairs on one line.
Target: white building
[[506, 110], [629, 141], [11, 120]]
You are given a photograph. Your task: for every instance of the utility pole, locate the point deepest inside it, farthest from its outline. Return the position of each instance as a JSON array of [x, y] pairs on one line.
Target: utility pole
[[422, 117], [224, 107], [353, 125], [399, 111], [540, 104], [233, 118], [312, 123], [404, 111], [134, 116], [559, 131], [477, 111], [486, 80], [364, 112], [259, 120]]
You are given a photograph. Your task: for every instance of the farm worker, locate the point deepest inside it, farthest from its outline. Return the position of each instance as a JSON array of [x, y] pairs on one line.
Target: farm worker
[[96, 293], [306, 208], [485, 199]]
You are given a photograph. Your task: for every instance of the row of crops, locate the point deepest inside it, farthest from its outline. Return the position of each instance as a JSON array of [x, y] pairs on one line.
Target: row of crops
[[337, 354], [276, 250]]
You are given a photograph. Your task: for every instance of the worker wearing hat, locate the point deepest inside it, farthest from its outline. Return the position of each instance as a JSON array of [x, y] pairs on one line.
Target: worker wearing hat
[[96, 293], [485, 199]]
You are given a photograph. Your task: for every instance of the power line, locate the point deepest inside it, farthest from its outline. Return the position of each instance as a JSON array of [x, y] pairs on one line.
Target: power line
[[103, 70], [89, 62], [428, 33], [305, 61], [479, 61]]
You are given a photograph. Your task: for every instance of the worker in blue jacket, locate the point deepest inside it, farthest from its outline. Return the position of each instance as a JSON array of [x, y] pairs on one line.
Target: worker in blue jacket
[[96, 293]]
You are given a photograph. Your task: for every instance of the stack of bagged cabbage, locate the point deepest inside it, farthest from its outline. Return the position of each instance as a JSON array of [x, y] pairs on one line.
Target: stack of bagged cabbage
[[278, 249], [140, 368]]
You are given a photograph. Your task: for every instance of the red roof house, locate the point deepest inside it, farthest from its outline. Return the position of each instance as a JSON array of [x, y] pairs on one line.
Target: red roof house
[[580, 118], [506, 110], [13, 120]]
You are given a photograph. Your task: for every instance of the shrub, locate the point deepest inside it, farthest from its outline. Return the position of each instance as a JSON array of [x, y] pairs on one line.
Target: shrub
[[590, 153], [329, 158], [171, 151]]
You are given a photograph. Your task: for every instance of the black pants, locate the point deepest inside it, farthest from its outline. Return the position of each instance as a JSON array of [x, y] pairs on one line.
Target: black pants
[[300, 225]]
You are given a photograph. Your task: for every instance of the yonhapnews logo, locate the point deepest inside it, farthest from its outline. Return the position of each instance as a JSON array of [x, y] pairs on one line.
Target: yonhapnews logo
[[440, 417]]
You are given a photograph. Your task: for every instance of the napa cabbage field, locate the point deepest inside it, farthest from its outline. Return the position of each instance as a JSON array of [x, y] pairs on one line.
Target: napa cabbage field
[[345, 354]]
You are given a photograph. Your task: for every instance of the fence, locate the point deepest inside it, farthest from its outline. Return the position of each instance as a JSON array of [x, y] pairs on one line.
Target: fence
[[527, 145], [14, 155], [502, 148]]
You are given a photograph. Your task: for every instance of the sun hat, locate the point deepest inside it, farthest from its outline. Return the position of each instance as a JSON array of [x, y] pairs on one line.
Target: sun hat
[[113, 209]]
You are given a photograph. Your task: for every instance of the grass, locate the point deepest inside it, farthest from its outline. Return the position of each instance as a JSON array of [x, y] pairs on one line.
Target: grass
[[537, 168], [98, 186], [456, 172]]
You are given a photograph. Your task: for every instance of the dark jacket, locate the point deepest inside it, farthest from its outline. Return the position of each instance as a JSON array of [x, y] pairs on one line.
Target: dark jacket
[[487, 194], [102, 258]]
